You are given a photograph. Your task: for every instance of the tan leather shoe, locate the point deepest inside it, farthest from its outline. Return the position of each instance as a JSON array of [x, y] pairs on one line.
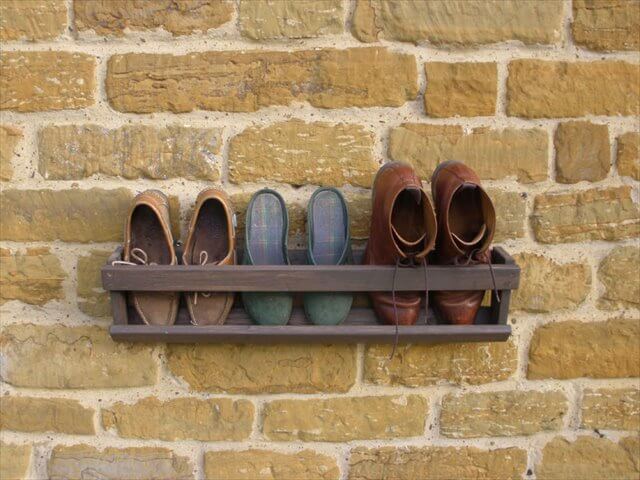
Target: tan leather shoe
[[466, 224], [211, 240], [403, 232], [148, 241]]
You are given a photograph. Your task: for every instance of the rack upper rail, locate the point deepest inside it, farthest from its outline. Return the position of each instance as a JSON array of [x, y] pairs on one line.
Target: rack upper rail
[[311, 278]]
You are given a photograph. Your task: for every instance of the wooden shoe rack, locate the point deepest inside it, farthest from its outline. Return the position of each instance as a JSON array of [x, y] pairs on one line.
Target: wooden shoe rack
[[361, 326]]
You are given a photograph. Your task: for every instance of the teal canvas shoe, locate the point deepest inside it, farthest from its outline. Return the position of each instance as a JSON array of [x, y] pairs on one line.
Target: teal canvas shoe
[[329, 244], [265, 243]]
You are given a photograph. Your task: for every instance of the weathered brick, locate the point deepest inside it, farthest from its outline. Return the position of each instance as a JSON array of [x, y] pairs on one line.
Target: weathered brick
[[248, 81], [94, 215], [32, 19], [582, 152], [606, 25], [548, 286], [456, 363], [501, 414], [40, 356], [265, 19], [266, 465], [618, 272], [611, 409], [34, 276], [14, 461], [175, 216], [299, 153], [75, 462], [181, 419], [460, 89], [597, 214], [510, 213], [359, 207], [10, 137], [463, 22], [608, 349], [436, 462], [547, 89], [74, 152], [92, 299], [629, 155], [39, 81], [61, 415], [587, 457], [344, 419], [264, 368], [179, 17], [632, 446], [493, 154]]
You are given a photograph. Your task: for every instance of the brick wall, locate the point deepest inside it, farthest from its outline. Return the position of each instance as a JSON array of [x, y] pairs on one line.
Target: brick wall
[[102, 99]]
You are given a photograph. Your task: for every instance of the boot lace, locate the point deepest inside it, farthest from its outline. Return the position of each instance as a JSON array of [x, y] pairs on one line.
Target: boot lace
[[137, 254], [475, 257], [399, 264], [204, 256]]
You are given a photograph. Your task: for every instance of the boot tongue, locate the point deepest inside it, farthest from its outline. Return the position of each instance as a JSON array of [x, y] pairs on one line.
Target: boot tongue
[[415, 193]]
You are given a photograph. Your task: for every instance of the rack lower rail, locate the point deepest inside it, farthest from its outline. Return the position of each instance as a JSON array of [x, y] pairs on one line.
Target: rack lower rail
[[310, 334], [360, 327]]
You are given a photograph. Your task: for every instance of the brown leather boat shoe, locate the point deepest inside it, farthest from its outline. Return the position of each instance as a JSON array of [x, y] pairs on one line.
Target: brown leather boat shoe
[[148, 241], [403, 232], [466, 224], [211, 240]]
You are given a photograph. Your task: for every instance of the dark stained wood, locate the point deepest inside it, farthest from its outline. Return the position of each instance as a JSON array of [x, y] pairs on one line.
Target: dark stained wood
[[119, 308], [310, 334], [360, 326], [357, 316], [303, 278]]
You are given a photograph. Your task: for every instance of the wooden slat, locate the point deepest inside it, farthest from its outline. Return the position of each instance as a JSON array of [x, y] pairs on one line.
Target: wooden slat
[[119, 308], [357, 316], [304, 278], [310, 334]]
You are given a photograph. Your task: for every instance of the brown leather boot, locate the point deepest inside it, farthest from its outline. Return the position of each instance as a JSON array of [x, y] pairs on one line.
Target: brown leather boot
[[148, 241], [211, 240], [466, 224], [403, 231]]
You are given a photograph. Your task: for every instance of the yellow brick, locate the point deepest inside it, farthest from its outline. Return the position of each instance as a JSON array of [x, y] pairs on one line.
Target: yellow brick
[[61, 415], [608, 349], [457, 363], [461, 89], [345, 419], [265, 19], [493, 154], [32, 19], [303, 153], [548, 89], [39, 356], [597, 214], [41, 81], [107, 17], [248, 81], [181, 419], [606, 25], [264, 368], [93, 215], [462, 22]]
